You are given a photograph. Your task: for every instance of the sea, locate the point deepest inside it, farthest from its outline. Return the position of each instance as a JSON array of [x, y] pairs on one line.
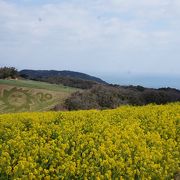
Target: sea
[[150, 81]]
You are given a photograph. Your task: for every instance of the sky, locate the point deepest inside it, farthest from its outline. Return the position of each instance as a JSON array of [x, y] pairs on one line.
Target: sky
[[121, 41]]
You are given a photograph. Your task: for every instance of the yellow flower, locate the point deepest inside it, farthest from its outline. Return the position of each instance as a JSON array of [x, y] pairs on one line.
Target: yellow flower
[[112, 144]]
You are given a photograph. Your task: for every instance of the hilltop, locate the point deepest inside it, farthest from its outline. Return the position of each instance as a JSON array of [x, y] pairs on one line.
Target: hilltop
[[33, 74]]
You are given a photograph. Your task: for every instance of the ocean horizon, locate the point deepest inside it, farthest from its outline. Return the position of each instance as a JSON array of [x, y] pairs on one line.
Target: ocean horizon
[[149, 81]]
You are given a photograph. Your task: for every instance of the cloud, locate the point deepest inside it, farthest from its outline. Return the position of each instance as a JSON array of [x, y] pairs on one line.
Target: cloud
[[112, 33], [73, 21]]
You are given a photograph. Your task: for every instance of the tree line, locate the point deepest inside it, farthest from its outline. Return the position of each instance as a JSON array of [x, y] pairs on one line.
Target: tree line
[[113, 96]]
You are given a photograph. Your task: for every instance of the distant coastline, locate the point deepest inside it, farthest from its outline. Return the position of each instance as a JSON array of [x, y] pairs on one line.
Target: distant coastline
[[149, 81]]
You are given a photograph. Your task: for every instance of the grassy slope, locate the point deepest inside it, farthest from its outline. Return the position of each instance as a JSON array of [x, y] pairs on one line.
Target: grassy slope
[[26, 95], [37, 85]]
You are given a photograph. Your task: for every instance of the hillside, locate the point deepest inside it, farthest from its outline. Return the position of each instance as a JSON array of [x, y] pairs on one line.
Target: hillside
[[113, 96], [33, 74], [125, 143], [27, 95], [95, 95]]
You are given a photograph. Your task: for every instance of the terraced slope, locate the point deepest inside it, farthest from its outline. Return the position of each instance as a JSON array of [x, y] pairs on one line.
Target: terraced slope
[[26, 95]]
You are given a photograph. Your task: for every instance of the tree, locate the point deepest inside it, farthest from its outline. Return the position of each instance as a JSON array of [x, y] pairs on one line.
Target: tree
[[8, 72]]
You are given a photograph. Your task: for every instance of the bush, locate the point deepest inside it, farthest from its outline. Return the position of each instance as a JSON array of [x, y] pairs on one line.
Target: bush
[[109, 97]]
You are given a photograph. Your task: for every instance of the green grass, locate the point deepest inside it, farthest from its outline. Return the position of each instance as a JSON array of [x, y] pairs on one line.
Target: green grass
[[28, 95], [37, 85]]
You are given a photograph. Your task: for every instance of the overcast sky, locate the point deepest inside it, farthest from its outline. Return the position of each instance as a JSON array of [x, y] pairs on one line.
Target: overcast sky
[[99, 37]]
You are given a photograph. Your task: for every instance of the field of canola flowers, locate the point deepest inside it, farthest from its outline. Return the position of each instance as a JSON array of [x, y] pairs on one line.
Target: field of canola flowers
[[125, 143]]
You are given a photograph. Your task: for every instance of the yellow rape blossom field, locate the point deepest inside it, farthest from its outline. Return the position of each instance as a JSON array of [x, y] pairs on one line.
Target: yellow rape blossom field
[[125, 143]]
